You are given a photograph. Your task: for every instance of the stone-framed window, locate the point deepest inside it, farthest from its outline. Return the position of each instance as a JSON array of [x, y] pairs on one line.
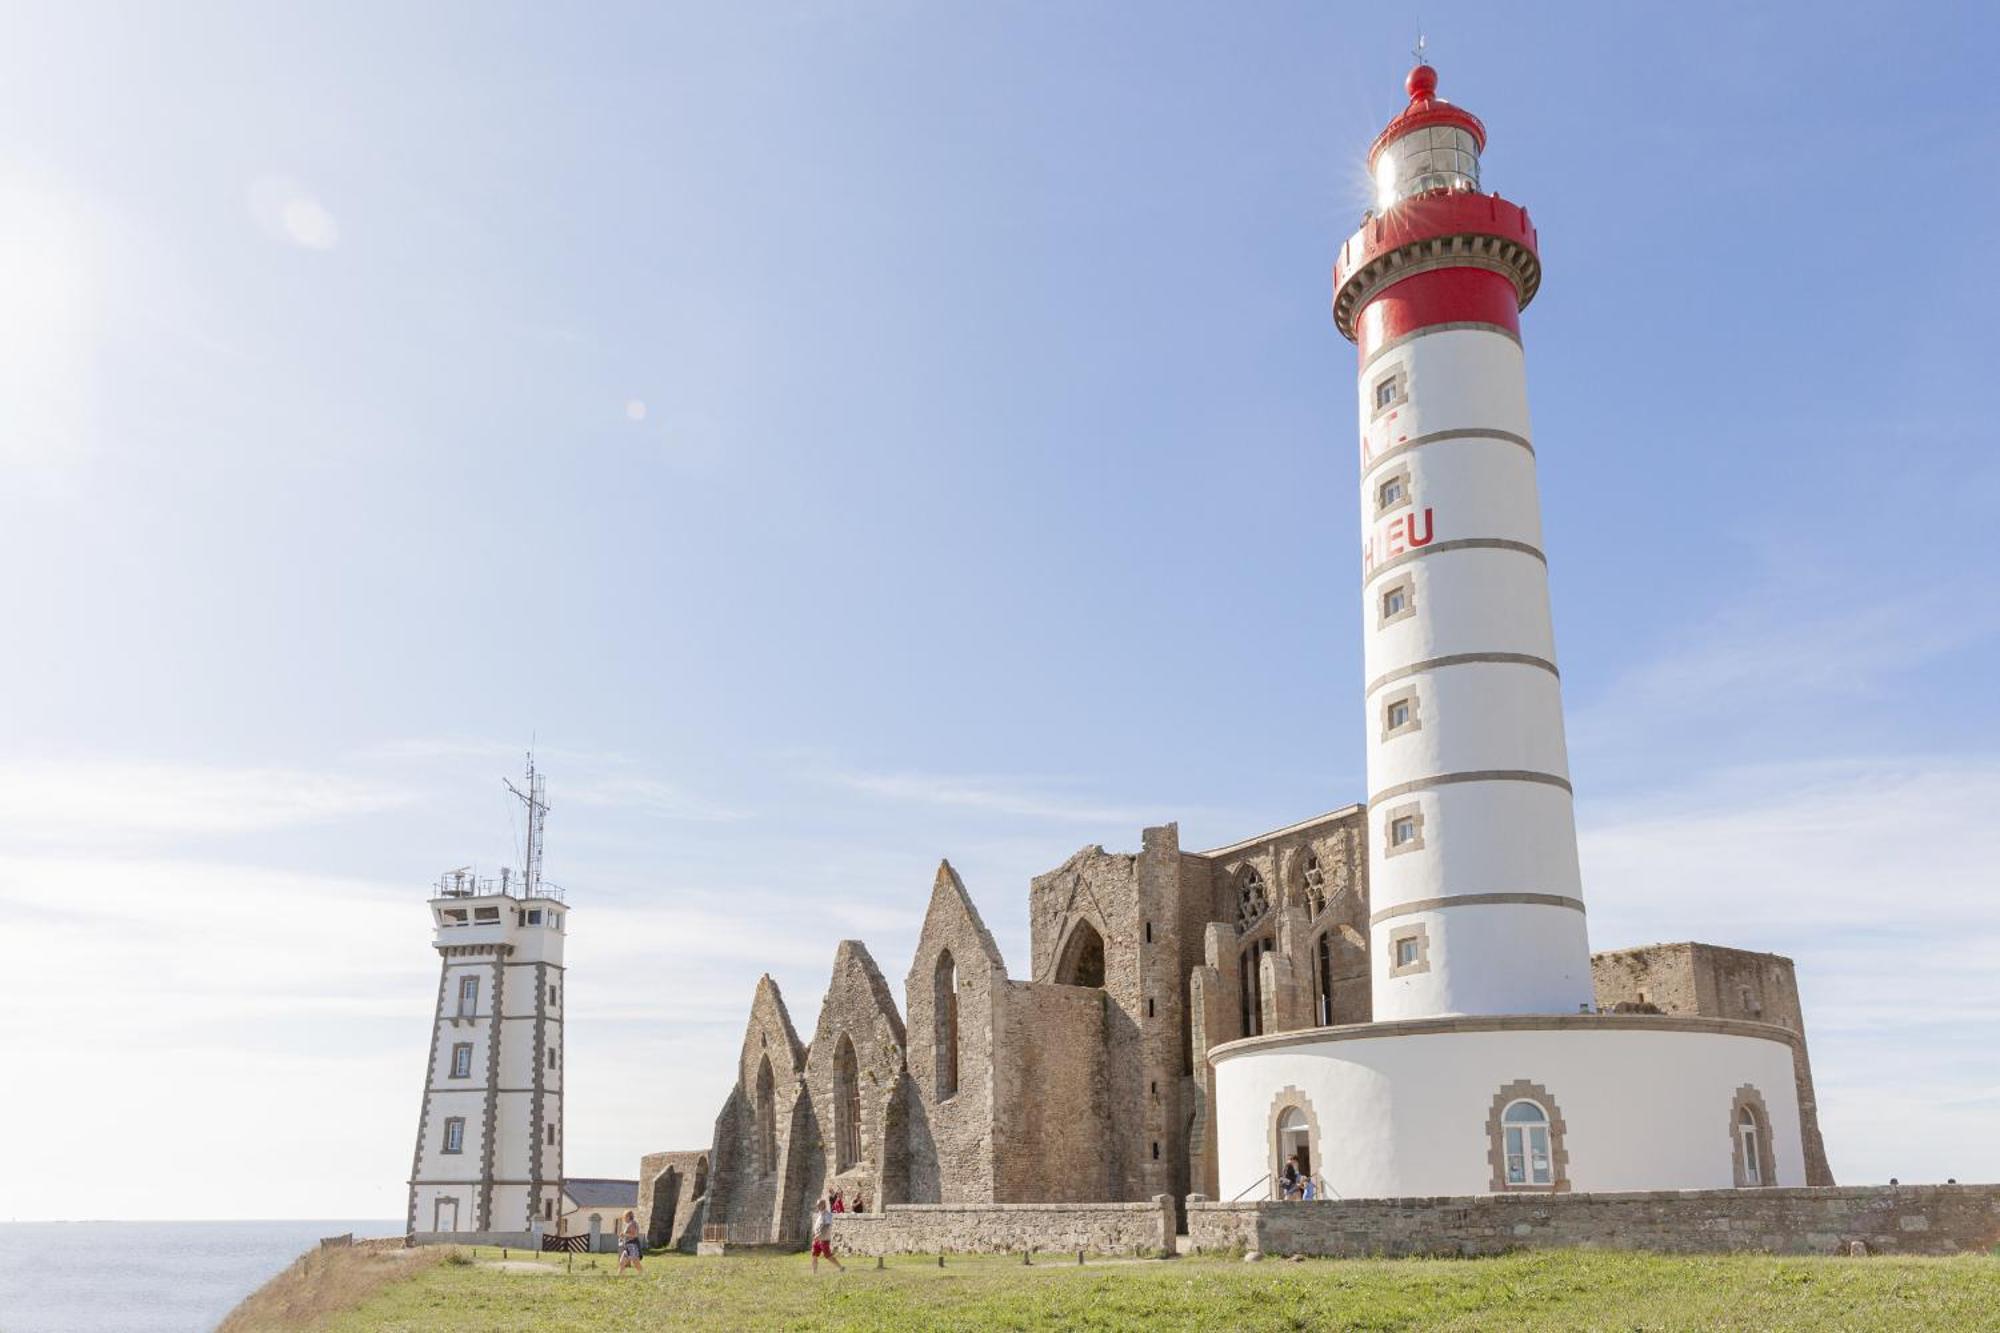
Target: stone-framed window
[[1403, 829], [552, 1136], [1252, 900], [461, 1059], [468, 996], [1524, 1137], [1752, 1163], [454, 1133], [1409, 951], [1397, 601], [1315, 878], [1392, 492], [1292, 1130], [1401, 714], [1389, 390]]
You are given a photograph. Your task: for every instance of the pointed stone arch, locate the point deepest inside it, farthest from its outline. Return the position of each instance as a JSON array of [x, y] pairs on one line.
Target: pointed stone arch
[[1080, 961]]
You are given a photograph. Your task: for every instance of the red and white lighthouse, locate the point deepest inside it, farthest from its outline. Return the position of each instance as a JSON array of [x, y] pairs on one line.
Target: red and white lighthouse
[[1475, 897]]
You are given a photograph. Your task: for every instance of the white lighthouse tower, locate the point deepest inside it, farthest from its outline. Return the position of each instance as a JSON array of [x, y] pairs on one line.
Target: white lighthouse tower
[[1484, 1069], [1476, 902], [488, 1158]]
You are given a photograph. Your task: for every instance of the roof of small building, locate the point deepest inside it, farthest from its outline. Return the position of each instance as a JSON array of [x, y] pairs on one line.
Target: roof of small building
[[589, 1192]]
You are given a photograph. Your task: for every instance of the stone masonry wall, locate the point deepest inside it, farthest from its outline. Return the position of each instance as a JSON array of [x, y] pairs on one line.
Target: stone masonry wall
[[1048, 1072], [1888, 1219], [858, 1010], [669, 1184], [1006, 1228], [947, 1140]]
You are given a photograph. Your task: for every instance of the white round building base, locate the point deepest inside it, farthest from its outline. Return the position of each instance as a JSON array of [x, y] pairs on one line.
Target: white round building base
[[1504, 1103]]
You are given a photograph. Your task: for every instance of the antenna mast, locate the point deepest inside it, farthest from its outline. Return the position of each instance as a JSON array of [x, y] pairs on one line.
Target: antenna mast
[[536, 798]]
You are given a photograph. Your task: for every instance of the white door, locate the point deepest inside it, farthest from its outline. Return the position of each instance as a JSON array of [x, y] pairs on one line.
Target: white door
[[447, 1215]]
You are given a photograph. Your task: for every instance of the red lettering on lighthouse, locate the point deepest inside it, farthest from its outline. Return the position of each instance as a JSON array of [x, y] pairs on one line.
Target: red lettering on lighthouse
[[1424, 540]]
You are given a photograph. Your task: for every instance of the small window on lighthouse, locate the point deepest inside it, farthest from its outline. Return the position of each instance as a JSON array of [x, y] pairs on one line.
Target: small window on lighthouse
[[1393, 491], [461, 1060], [1399, 599], [454, 1134], [1385, 393], [1406, 952], [1403, 830]]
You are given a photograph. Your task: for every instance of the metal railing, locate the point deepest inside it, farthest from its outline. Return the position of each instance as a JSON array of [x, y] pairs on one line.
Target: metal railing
[[462, 883]]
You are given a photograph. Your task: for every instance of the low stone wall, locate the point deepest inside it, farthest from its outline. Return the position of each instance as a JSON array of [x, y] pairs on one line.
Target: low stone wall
[[1887, 1219], [516, 1240], [989, 1228]]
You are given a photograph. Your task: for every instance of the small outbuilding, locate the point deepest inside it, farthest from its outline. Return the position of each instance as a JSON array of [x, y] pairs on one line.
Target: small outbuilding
[[604, 1201]]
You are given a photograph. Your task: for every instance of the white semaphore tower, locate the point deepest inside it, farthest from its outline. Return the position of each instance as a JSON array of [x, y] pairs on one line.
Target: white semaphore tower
[[489, 1141], [1475, 897], [1485, 1068]]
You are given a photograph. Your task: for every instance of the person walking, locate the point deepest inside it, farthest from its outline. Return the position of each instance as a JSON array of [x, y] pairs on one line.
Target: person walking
[[823, 1235], [631, 1246]]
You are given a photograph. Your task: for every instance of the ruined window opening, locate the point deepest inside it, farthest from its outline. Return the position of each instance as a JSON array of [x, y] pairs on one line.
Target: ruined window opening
[[1083, 958], [767, 1119], [1156, 1150], [944, 1006], [1149, 1006], [1315, 885], [1323, 1000], [1251, 900], [1252, 985], [1149, 932], [846, 1106]]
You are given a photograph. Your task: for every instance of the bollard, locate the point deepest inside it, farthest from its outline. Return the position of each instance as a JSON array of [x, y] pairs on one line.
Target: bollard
[[1026, 1261], [1079, 1258], [569, 1262], [878, 1263], [503, 1252], [940, 1258]]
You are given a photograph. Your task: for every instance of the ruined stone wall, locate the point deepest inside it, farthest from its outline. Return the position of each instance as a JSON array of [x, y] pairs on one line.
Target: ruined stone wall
[[1909, 1219], [858, 1015], [1048, 1078], [759, 1173], [946, 1141], [1713, 982], [669, 1184], [1054, 1230]]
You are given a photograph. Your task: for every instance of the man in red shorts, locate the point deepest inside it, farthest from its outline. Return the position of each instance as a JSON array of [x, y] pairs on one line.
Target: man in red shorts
[[823, 1235]]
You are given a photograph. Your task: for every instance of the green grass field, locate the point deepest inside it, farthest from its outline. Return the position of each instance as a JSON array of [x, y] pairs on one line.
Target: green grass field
[[1547, 1290]]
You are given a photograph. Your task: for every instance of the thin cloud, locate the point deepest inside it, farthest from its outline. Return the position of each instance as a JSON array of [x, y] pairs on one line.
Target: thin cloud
[[125, 798], [999, 796], [289, 212]]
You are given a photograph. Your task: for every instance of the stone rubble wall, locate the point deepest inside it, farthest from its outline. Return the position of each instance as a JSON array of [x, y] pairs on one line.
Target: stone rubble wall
[[1009, 1228], [1887, 1219]]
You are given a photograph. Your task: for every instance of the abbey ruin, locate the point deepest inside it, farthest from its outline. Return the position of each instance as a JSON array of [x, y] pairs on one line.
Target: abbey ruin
[[1088, 1081]]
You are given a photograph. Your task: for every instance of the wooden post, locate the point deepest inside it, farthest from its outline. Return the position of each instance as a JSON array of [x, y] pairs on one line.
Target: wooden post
[[1079, 1258], [940, 1258]]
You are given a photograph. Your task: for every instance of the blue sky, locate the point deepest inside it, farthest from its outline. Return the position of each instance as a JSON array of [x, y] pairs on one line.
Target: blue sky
[[847, 436]]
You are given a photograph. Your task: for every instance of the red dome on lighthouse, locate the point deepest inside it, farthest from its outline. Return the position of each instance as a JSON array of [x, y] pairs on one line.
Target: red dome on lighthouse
[[1426, 109]]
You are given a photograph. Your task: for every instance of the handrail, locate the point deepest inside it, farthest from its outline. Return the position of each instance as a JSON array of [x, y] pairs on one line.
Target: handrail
[[1251, 1186]]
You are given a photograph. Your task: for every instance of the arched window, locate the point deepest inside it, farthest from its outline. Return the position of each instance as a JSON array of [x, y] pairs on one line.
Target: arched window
[[846, 1106], [944, 1012], [1323, 980], [701, 1176], [767, 1119], [1315, 885], [1083, 958], [1251, 900], [1753, 1158], [1526, 1128], [1525, 1140], [1250, 983]]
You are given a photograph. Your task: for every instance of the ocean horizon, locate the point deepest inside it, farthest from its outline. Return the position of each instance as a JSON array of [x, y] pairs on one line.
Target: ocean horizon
[[148, 1277]]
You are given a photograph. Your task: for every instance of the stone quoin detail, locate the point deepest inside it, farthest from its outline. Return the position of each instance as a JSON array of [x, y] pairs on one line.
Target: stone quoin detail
[[1523, 1091]]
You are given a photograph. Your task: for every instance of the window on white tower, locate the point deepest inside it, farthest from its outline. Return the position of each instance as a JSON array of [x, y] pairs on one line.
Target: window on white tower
[[454, 1134], [552, 1136], [1392, 492], [1385, 392], [468, 995], [1403, 831], [1525, 1129], [1399, 714], [1753, 1162], [461, 1060], [1406, 952], [552, 1058], [1395, 602]]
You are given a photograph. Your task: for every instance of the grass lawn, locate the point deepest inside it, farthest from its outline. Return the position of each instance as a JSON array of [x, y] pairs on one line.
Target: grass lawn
[[1550, 1289]]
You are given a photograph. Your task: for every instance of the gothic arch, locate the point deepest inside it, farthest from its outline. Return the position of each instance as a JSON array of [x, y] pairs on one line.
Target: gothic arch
[[944, 1017], [846, 1106], [1747, 1111], [1081, 961]]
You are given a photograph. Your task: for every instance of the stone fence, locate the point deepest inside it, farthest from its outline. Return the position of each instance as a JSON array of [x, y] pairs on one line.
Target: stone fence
[[1887, 1219], [987, 1228]]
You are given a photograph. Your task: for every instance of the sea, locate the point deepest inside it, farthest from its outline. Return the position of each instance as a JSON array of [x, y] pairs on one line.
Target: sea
[[146, 1277]]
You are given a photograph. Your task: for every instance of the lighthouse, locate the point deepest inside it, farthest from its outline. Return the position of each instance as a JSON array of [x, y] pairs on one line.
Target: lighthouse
[[1476, 905], [1484, 1068]]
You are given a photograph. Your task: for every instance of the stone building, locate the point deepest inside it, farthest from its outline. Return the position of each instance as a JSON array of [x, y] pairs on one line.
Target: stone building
[[1088, 1081]]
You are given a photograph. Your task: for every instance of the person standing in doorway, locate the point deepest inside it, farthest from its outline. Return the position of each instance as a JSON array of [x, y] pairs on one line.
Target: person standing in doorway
[[823, 1235]]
